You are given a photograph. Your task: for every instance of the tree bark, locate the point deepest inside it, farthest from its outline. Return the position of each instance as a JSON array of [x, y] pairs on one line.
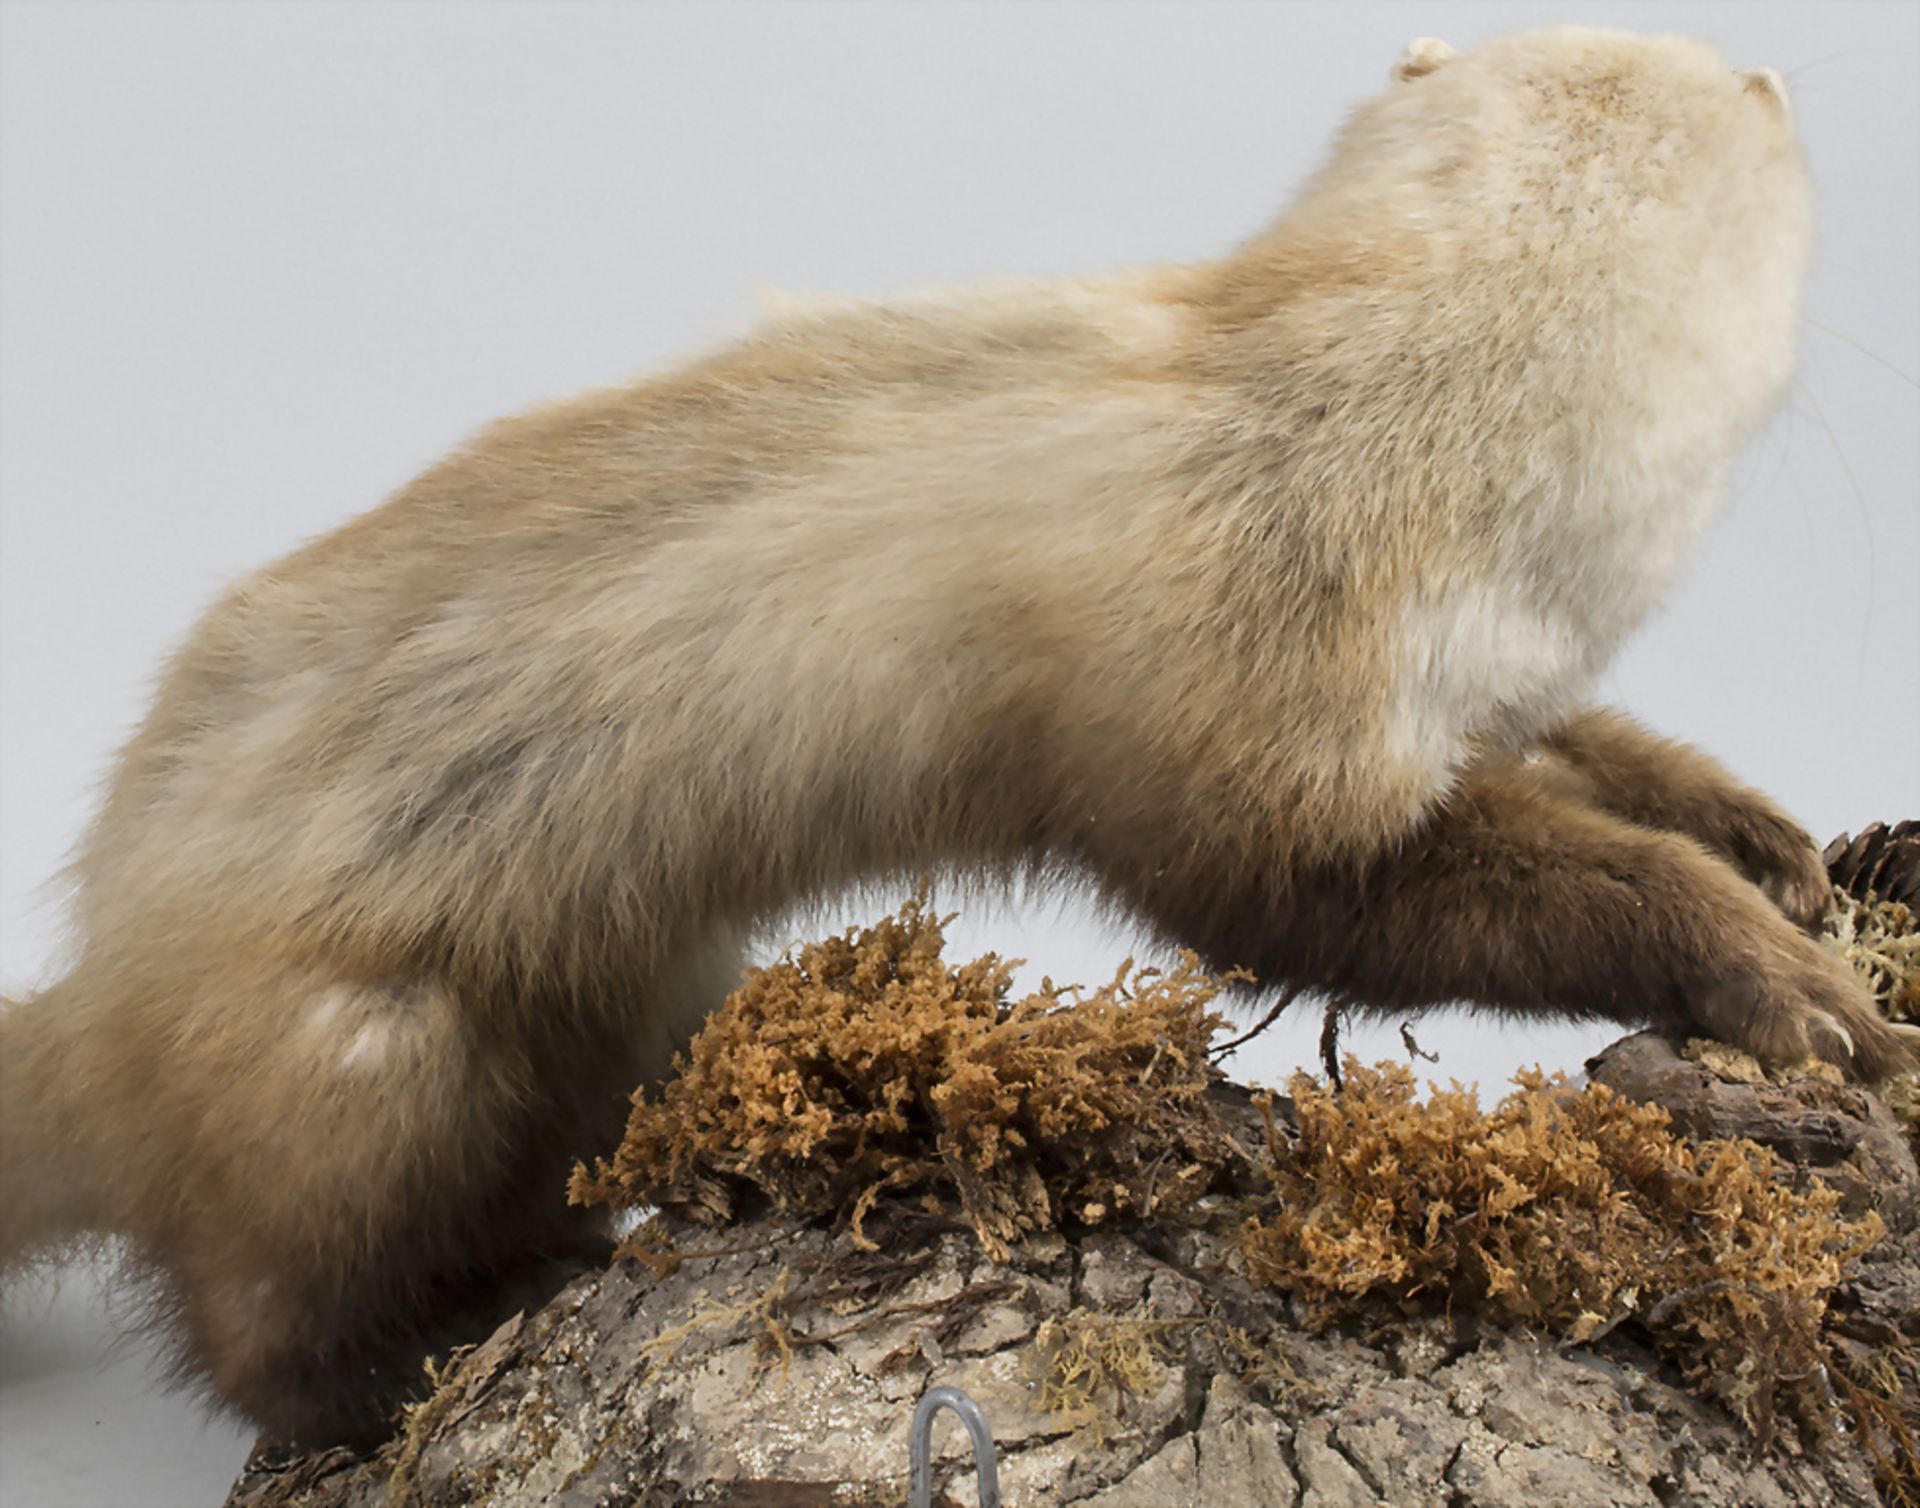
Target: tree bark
[[783, 1368]]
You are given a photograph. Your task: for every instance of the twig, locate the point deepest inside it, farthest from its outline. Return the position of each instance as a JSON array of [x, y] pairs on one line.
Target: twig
[[1287, 996], [1414, 1049], [1330, 1043]]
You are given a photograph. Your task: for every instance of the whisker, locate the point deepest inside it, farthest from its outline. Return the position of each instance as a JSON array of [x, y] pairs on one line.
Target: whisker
[[1850, 52], [1866, 522], [1871, 355]]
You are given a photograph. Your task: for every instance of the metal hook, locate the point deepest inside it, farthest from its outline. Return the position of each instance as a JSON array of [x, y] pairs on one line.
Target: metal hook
[[920, 1448]]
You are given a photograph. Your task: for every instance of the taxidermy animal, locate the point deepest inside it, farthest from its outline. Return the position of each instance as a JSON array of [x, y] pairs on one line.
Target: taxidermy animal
[[1262, 593]]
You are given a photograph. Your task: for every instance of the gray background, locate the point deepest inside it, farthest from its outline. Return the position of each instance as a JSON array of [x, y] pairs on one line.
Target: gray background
[[259, 263]]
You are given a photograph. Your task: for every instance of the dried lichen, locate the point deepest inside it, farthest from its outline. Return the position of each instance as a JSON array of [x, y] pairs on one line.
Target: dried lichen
[[1887, 1427], [867, 1065], [1725, 1061], [418, 1421], [1880, 939], [761, 1311], [1569, 1212], [1086, 1364]]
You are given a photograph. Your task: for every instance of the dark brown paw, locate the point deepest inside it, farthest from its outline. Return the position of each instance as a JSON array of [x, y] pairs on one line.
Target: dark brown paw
[[1777, 854], [1796, 1002], [1798, 886]]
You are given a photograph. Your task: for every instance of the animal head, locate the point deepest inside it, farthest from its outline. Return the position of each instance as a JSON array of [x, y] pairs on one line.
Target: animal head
[[1636, 194], [1594, 120]]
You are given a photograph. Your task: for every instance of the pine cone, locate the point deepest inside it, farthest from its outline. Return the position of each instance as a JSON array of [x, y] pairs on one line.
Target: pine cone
[[1882, 859]]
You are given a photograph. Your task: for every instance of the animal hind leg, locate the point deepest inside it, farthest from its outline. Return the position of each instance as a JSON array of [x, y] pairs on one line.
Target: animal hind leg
[[354, 1167], [364, 1171]]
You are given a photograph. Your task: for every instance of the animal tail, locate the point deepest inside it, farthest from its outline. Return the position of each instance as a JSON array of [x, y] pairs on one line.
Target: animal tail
[[46, 1201]]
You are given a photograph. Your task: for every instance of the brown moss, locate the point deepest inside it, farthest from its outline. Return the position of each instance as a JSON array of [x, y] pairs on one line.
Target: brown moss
[[865, 1073], [1567, 1212], [866, 1065]]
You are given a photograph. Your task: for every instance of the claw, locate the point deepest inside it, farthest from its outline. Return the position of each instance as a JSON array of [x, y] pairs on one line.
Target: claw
[[1845, 1036]]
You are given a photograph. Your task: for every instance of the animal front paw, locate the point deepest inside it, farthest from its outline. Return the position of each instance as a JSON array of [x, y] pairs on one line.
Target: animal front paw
[[1795, 1001], [1777, 854]]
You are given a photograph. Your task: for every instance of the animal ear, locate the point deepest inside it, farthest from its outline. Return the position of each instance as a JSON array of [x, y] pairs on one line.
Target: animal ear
[[1423, 55], [1769, 86]]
